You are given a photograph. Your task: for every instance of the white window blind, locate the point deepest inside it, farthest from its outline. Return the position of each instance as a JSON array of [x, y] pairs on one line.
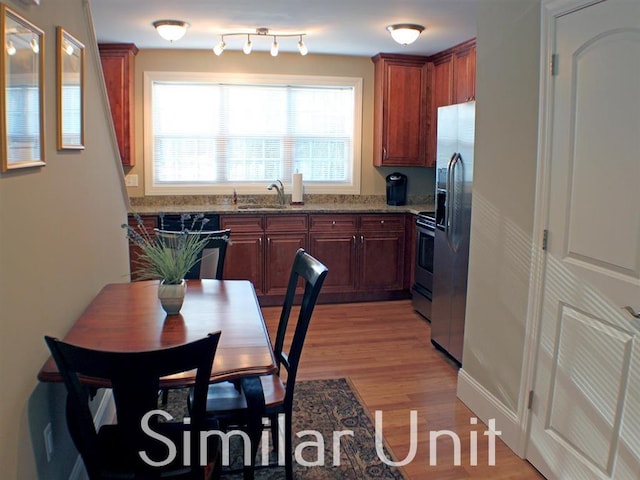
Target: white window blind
[[205, 135]]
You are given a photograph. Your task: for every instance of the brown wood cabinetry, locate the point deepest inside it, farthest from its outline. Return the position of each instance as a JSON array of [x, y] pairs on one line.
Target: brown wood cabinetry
[[245, 255], [285, 234], [464, 69], [453, 81], [149, 222], [368, 255], [262, 249], [332, 240], [364, 253], [400, 110], [118, 68]]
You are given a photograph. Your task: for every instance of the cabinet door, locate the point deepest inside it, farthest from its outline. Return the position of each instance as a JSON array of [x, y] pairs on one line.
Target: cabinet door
[[400, 117], [245, 259], [149, 222], [118, 69], [338, 252], [381, 261], [442, 95], [465, 75], [280, 252]]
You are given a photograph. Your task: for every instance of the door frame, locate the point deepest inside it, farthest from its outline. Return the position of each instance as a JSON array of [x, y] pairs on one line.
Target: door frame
[[551, 10]]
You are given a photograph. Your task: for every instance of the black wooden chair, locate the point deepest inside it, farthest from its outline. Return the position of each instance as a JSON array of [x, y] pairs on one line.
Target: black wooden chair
[[229, 404], [112, 452], [211, 259]]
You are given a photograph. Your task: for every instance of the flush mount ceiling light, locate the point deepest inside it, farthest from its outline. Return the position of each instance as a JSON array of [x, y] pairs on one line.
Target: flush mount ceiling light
[[405, 33], [261, 32], [171, 30]]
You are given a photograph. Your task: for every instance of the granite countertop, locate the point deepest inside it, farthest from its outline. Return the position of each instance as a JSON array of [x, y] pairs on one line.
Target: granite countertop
[[261, 204], [287, 209]]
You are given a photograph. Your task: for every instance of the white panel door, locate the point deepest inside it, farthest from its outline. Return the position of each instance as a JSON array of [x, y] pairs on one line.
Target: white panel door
[[585, 420]]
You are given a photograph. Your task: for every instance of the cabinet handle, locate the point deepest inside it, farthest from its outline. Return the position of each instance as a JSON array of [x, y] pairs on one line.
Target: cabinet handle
[[354, 239], [384, 153], [381, 222], [362, 239], [333, 223], [268, 241], [260, 241]]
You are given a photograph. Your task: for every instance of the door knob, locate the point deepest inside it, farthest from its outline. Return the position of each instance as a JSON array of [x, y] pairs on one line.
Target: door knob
[[633, 313]]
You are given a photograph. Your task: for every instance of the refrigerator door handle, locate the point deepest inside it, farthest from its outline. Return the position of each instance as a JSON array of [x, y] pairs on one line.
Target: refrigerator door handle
[[450, 205], [448, 194]]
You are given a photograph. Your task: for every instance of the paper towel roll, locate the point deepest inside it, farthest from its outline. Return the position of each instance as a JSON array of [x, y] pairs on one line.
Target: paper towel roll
[[296, 189]]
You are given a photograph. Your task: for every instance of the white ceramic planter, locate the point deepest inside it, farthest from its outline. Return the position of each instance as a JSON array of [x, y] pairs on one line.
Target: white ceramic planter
[[172, 296]]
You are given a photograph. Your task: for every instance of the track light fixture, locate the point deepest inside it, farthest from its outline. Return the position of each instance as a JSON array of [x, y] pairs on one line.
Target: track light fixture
[[261, 32], [405, 33]]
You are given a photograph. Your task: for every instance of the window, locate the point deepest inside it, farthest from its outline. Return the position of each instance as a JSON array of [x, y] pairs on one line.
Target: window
[[209, 133]]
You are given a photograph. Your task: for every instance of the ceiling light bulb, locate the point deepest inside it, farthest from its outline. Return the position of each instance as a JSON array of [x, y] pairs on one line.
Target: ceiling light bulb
[[405, 33], [68, 48], [247, 46], [171, 30], [274, 48], [11, 48], [302, 47], [35, 46], [219, 48]]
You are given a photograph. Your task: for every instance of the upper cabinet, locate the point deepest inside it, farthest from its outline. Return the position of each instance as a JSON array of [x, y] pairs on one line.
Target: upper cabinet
[[118, 61], [401, 101], [453, 81]]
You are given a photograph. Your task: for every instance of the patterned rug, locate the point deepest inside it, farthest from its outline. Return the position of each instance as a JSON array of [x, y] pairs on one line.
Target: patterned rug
[[325, 406]]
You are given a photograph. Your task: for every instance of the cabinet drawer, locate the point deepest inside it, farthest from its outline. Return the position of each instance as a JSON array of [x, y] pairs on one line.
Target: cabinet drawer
[[332, 222], [242, 223], [376, 223], [286, 223]]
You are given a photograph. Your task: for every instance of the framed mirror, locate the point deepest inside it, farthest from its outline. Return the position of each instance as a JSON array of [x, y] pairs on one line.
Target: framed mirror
[[21, 92], [70, 90]]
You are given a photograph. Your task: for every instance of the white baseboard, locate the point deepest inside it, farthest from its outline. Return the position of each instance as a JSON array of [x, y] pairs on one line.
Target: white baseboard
[[486, 406], [106, 413]]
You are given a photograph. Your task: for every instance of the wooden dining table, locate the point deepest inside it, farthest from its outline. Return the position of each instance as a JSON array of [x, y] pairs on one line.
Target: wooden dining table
[[128, 317]]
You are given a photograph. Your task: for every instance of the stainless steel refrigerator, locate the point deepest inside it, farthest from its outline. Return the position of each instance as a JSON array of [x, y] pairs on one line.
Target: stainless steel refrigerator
[[454, 177]]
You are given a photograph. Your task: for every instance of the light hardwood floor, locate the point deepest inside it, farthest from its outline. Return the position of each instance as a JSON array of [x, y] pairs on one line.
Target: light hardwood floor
[[384, 349]]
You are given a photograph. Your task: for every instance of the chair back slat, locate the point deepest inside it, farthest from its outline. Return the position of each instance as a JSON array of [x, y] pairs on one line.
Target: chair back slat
[[313, 273]]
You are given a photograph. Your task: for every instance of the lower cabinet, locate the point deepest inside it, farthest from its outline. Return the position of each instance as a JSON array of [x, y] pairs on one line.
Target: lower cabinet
[[365, 254], [150, 223], [262, 249], [368, 255]]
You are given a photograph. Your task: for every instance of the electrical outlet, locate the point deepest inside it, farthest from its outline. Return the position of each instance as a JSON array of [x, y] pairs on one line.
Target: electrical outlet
[[131, 180], [48, 441]]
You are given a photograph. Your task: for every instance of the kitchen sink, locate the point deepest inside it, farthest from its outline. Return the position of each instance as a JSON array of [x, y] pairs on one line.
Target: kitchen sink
[[253, 206]]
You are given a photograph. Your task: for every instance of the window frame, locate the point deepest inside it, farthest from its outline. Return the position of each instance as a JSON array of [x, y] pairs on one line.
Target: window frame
[[257, 188]]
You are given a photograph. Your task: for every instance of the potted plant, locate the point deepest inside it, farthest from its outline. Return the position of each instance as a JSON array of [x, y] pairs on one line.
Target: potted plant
[[168, 256]]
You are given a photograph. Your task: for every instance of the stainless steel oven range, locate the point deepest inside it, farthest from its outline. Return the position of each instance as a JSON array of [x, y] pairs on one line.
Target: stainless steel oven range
[[422, 288]]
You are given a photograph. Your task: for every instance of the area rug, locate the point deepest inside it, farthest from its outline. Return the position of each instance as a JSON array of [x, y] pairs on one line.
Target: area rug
[[325, 406]]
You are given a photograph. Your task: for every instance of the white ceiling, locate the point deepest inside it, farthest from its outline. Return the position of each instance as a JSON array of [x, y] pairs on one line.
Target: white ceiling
[[341, 27]]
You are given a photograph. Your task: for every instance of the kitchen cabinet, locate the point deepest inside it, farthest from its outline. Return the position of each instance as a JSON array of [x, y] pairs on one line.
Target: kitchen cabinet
[[401, 97], [464, 69], [453, 80], [118, 62], [332, 239], [150, 223], [364, 253], [262, 249], [245, 255], [285, 234]]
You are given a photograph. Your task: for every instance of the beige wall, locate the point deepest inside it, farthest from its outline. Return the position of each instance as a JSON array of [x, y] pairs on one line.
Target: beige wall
[[60, 242], [503, 194], [373, 179]]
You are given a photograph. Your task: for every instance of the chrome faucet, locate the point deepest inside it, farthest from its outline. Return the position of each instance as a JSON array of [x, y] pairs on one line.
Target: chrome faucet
[[279, 190]]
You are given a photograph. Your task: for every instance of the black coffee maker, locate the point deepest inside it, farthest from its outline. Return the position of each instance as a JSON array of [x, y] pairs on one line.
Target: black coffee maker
[[396, 189]]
